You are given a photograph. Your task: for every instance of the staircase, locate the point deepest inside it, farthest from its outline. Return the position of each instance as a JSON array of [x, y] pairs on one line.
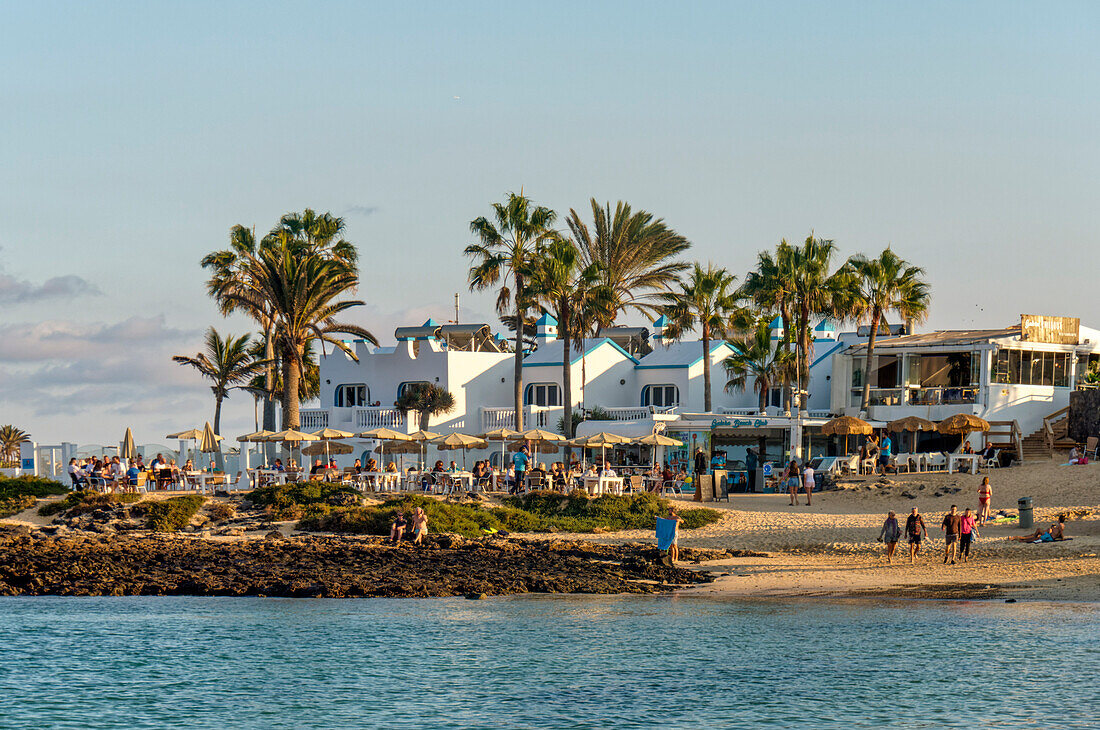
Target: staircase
[[1053, 435]]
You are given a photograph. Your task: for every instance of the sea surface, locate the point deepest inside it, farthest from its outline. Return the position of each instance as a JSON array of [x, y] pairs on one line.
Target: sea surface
[[546, 661]]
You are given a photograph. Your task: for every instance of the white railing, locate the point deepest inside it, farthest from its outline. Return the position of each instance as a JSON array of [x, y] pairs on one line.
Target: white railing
[[628, 414], [544, 417], [313, 419], [820, 414], [494, 418], [367, 418], [739, 411]]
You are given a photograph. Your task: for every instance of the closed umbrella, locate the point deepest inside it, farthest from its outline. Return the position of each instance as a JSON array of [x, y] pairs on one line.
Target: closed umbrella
[[209, 441], [127, 450]]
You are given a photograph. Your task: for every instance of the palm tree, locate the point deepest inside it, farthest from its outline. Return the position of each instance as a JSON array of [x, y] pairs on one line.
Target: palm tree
[[637, 256], [755, 357], [227, 363], [309, 385], [426, 399], [707, 298], [504, 252], [561, 282], [815, 292], [301, 286], [10, 440], [769, 287], [888, 283]]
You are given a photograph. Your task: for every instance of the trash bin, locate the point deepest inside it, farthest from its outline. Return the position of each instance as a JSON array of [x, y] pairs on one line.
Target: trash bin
[[1026, 518]]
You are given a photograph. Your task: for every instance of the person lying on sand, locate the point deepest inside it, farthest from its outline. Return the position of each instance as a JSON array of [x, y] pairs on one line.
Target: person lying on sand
[[1056, 531]]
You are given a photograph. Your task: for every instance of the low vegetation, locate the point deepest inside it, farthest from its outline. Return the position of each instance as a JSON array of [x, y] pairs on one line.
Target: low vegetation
[[303, 499], [20, 493], [221, 511], [172, 514], [78, 503], [537, 512]]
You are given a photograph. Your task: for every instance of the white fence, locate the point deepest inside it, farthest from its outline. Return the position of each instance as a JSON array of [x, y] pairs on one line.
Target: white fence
[[313, 419], [367, 418]]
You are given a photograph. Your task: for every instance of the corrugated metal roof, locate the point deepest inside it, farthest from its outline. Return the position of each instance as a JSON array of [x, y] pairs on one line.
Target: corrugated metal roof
[[942, 338]]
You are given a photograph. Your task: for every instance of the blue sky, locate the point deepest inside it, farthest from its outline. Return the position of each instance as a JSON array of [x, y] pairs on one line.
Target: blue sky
[[136, 134]]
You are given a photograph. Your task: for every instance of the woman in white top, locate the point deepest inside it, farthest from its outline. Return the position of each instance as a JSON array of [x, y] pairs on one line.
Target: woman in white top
[[808, 481]]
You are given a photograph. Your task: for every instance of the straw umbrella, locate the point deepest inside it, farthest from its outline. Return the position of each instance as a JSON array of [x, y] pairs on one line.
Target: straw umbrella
[[962, 424], [290, 437], [460, 441], [847, 426], [503, 435], [601, 441], [538, 436], [254, 438], [327, 448], [383, 435], [911, 424]]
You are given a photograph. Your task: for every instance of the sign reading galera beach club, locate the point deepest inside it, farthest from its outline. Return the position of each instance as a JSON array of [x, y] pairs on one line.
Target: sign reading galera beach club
[[1053, 330]]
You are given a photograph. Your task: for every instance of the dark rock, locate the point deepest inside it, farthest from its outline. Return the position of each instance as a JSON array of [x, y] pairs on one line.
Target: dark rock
[[475, 596], [274, 535]]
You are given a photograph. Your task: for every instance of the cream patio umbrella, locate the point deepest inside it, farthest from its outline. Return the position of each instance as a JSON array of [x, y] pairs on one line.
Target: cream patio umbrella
[[601, 441], [654, 440], [503, 435], [191, 434], [538, 436], [421, 439], [383, 435], [328, 435], [290, 437], [460, 441], [253, 438]]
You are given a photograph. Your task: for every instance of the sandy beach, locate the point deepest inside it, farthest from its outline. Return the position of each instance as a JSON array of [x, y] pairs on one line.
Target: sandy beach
[[830, 548]]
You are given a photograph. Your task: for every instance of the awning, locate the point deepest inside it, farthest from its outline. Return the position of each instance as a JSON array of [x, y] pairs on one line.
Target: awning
[[630, 429]]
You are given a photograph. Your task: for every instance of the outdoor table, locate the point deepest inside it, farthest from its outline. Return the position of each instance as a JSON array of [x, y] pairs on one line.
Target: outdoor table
[[270, 475], [601, 484], [952, 459], [383, 481], [200, 478]]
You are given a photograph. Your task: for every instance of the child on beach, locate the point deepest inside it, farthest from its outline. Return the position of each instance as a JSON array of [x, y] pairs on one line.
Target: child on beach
[[397, 529], [674, 548]]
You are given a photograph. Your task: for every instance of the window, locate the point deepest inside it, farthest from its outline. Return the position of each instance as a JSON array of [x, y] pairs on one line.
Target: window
[[542, 394], [950, 370], [1027, 367], [355, 394], [661, 396], [405, 386]]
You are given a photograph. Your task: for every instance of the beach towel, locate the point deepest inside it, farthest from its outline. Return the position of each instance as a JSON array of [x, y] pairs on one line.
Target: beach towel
[[666, 533]]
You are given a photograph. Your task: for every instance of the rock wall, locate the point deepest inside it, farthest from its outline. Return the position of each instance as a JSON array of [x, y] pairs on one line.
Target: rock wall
[[1084, 414]]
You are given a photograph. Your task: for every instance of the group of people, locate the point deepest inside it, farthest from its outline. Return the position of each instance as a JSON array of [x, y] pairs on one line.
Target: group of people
[[117, 473], [959, 533], [401, 524]]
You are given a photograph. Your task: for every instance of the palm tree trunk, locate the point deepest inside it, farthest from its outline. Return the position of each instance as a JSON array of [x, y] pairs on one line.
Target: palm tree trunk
[[425, 417], [786, 318], [218, 415], [292, 374], [269, 381], [566, 373], [706, 368], [764, 398], [517, 376], [876, 315]]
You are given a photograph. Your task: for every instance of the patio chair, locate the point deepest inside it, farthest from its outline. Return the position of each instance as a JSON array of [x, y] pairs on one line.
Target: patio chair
[[867, 466], [634, 483], [993, 462], [165, 479], [673, 485], [937, 461], [138, 483], [1092, 444]]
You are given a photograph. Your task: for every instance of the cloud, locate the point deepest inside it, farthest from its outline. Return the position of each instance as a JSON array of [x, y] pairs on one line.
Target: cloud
[[363, 210], [67, 340], [21, 291]]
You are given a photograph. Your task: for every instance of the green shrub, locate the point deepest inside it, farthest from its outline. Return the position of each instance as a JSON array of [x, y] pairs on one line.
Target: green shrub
[[302, 499], [173, 514], [222, 511], [577, 512], [29, 486], [468, 520], [14, 505]]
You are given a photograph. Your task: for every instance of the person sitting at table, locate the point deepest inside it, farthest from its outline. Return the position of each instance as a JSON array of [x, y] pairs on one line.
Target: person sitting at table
[[510, 477], [453, 468], [332, 465], [159, 462], [967, 448], [557, 475], [537, 476], [391, 468], [132, 475], [317, 471], [357, 467], [278, 465], [77, 476], [187, 466], [372, 465]]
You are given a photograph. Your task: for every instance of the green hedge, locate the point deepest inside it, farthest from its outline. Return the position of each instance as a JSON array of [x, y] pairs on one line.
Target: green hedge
[[536, 512], [20, 493], [77, 503], [302, 499], [172, 514]]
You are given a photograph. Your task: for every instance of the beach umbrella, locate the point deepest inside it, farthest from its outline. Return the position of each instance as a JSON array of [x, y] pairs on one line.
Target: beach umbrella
[[327, 448], [127, 450], [460, 441], [209, 442], [253, 438], [384, 435], [847, 426], [291, 437], [962, 424], [601, 441], [503, 435], [538, 436], [191, 434]]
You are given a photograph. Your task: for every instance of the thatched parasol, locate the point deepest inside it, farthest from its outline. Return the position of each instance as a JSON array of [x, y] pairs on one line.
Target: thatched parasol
[[847, 426], [327, 448], [962, 424], [384, 435], [910, 423], [460, 441]]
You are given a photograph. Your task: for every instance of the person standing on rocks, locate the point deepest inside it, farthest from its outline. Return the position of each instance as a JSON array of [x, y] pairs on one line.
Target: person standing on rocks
[[419, 526], [952, 527], [674, 548], [915, 531], [890, 535]]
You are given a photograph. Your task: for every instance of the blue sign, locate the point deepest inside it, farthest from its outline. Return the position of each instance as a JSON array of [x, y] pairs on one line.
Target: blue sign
[[28, 464], [768, 469]]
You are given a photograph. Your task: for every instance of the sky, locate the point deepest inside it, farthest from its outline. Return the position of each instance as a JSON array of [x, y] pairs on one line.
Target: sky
[[134, 135]]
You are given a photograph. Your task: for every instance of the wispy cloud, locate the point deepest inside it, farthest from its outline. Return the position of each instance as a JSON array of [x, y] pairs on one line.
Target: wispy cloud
[[21, 291], [363, 210]]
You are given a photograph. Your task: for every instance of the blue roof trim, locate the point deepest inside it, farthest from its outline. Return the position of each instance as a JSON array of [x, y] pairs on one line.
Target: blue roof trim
[[835, 347], [776, 324], [587, 352], [661, 321]]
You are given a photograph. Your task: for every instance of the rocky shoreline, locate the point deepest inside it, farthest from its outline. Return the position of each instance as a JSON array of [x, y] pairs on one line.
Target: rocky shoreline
[[91, 564]]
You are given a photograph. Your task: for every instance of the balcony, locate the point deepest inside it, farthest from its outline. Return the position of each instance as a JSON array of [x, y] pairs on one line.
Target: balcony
[[377, 417], [542, 417], [943, 396], [313, 419]]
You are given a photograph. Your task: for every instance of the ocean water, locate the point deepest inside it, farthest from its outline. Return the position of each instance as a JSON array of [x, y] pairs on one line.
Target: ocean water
[[546, 661]]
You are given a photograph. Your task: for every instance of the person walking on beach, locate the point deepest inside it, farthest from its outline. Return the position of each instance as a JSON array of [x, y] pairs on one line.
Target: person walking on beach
[[915, 531], [792, 482], [808, 481], [890, 534], [952, 527], [985, 496], [968, 532], [885, 448], [751, 462], [674, 548], [419, 526], [702, 464]]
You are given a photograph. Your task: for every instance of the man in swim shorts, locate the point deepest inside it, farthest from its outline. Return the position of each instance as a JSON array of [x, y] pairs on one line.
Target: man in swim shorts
[[915, 531], [952, 527]]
